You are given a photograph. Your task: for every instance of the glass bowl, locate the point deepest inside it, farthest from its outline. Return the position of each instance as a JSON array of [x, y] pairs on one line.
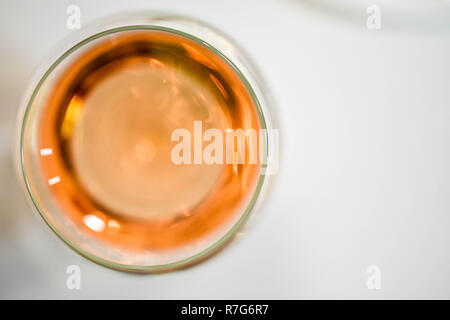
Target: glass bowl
[[40, 186]]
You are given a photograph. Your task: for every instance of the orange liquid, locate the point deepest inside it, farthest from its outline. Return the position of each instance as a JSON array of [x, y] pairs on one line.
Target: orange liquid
[[109, 122]]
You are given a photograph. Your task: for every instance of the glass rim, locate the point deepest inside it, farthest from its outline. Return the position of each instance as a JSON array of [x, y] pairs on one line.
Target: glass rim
[[191, 259]]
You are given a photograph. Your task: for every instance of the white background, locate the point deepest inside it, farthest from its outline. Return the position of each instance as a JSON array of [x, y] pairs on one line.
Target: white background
[[365, 172]]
